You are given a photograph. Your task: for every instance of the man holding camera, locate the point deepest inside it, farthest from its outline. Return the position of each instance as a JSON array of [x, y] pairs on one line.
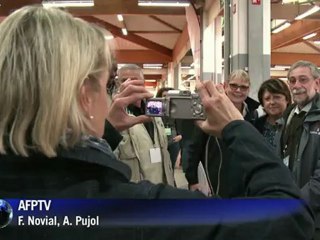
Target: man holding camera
[[144, 146]]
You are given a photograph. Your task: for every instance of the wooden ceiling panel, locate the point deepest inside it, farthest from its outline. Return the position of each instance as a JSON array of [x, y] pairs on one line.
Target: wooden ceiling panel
[[166, 40], [296, 31], [135, 23]]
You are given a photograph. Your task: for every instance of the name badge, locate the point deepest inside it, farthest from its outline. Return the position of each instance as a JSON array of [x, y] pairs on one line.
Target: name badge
[[168, 131], [155, 155], [286, 161]]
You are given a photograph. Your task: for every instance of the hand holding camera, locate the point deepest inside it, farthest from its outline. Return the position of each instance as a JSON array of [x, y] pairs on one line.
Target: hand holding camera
[[177, 104], [219, 109], [129, 93]]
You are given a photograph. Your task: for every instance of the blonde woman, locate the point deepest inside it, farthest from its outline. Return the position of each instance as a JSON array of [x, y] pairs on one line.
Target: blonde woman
[[54, 72]]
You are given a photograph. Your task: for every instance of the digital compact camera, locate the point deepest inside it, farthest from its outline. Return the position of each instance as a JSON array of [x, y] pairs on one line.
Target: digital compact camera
[[177, 104]]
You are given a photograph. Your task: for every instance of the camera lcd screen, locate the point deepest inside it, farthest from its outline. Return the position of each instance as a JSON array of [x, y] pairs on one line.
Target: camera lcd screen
[[154, 108]]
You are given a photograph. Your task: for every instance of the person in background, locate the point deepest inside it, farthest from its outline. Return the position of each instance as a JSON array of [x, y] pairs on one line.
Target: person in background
[[144, 146], [171, 130], [300, 138], [274, 95], [54, 106], [211, 151]]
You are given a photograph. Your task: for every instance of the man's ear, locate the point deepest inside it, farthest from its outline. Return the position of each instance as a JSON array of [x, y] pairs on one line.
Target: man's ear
[[317, 84], [86, 97]]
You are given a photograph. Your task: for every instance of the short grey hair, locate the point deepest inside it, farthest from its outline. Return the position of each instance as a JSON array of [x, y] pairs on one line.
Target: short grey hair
[[130, 67], [313, 68]]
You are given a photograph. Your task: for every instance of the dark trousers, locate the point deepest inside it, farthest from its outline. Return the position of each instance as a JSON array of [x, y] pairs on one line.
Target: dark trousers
[[173, 149]]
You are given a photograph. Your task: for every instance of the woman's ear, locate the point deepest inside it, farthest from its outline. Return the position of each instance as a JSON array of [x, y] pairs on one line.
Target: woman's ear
[[86, 97]]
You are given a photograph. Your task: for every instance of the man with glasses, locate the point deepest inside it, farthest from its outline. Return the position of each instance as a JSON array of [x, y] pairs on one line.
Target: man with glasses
[[144, 146], [212, 152], [300, 138]]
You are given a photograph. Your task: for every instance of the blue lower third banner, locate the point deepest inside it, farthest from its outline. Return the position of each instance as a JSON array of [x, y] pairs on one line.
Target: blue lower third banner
[[90, 213]]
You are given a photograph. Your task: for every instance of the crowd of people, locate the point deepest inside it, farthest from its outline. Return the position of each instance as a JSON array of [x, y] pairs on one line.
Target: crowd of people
[[59, 127]]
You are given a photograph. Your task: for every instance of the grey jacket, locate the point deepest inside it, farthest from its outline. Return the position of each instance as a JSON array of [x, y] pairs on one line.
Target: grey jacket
[[306, 168]]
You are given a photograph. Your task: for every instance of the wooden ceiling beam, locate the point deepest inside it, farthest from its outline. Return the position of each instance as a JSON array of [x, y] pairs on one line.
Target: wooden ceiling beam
[[103, 7], [182, 46], [125, 7], [288, 11], [278, 58], [153, 32], [153, 76], [312, 46], [165, 23], [130, 37], [141, 56], [8, 6], [296, 31]]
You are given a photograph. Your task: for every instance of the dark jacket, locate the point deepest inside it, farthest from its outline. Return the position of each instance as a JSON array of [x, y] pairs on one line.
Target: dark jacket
[[273, 140], [306, 166], [214, 155], [111, 135], [90, 170]]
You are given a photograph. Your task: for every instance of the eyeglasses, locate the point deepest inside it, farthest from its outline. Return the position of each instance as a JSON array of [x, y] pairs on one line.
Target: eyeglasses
[[242, 88], [301, 80]]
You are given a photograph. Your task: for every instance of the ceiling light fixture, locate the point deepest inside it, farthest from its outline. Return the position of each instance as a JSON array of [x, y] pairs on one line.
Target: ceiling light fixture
[[152, 65], [164, 3], [120, 17], [68, 3], [108, 37], [124, 31], [281, 27], [316, 42], [311, 35], [307, 13]]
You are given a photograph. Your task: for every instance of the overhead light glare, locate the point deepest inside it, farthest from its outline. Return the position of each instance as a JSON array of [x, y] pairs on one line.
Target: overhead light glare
[[120, 17], [68, 3], [316, 42], [309, 36], [281, 27], [108, 37], [163, 3], [152, 65], [124, 31], [152, 81], [307, 13]]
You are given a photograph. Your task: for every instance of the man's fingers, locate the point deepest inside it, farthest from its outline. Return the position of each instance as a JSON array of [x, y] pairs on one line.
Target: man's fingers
[[129, 83], [140, 119], [210, 88], [125, 101], [133, 89], [201, 89]]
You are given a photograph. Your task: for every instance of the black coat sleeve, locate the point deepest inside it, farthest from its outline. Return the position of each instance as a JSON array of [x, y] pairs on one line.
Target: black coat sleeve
[[111, 135], [265, 175]]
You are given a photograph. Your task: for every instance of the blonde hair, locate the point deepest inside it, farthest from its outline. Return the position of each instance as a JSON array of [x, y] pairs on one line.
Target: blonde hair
[[239, 74], [45, 57]]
